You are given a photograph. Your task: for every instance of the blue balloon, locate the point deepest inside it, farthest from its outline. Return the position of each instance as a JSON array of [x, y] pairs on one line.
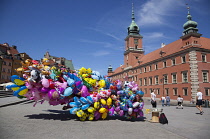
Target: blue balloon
[[74, 110], [73, 104], [76, 99], [90, 99], [68, 91], [141, 93], [84, 107], [83, 100]]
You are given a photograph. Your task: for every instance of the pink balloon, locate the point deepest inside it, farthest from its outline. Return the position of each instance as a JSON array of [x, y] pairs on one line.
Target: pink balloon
[[45, 83]]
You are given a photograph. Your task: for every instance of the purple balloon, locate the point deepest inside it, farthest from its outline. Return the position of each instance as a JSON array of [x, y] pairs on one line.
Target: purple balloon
[[121, 112], [97, 115], [111, 111], [44, 90], [84, 91]]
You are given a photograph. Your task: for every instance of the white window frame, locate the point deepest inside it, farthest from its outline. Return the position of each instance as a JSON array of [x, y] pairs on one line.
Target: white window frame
[[145, 81], [173, 62], [156, 80], [165, 80], [184, 91], [175, 90], [203, 60], [174, 80], [150, 80], [184, 57], [183, 77], [205, 79]]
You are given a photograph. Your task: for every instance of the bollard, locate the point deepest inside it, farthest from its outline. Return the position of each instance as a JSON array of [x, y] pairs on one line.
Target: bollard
[[206, 104]]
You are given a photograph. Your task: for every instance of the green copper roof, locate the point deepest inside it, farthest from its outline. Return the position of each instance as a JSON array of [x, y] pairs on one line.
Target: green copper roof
[[133, 29], [190, 26]]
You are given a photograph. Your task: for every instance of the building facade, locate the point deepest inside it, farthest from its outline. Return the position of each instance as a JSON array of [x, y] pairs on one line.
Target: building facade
[[10, 60], [178, 68], [59, 61]]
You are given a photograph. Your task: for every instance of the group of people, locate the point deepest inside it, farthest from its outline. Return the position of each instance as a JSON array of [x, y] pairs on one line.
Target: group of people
[[166, 100]]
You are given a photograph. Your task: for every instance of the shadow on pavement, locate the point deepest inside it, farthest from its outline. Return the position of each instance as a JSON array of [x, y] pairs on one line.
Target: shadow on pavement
[[55, 115], [65, 115]]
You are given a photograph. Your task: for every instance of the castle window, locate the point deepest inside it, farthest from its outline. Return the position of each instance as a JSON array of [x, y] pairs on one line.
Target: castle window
[[183, 59], [150, 80], [174, 80], [165, 79], [205, 76], [164, 64], [175, 92], [145, 69], [184, 77], [158, 91], [166, 90], [156, 66], [150, 68], [140, 81], [173, 61], [185, 91], [135, 41], [136, 46], [156, 80], [203, 56], [207, 91], [145, 81]]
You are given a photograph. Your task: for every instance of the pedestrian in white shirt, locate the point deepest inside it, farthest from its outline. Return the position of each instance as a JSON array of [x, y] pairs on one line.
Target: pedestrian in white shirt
[[199, 97], [153, 99], [179, 101]]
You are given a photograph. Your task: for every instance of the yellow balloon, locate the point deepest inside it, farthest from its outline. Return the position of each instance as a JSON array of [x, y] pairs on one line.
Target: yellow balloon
[[91, 110], [102, 110], [96, 105], [101, 83], [15, 88], [19, 82], [23, 92], [109, 101], [91, 117], [103, 101], [80, 113], [83, 118], [104, 115]]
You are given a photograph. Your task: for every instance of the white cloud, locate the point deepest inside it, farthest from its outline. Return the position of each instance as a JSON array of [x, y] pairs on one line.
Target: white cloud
[[100, 53], [155, 35], [104, 44], [155, 11], [107, 34]]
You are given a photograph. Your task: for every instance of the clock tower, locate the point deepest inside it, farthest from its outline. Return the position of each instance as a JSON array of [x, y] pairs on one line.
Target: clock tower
[[133, 44]]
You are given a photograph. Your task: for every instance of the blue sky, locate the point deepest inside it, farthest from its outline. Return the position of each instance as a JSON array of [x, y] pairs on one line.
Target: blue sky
[[91, 33]]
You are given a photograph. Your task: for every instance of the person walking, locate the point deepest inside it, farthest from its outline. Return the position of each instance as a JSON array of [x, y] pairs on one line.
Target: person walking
[[199, 97], [153, 99], [167, 100], [179, 102], [163, 100]]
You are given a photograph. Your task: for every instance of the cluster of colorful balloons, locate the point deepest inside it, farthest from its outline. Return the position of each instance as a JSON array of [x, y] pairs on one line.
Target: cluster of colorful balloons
[[89, 95]]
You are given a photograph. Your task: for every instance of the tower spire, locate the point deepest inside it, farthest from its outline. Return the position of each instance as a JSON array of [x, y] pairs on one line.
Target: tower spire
[[133, 29], [133, 18], [189, 26]]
